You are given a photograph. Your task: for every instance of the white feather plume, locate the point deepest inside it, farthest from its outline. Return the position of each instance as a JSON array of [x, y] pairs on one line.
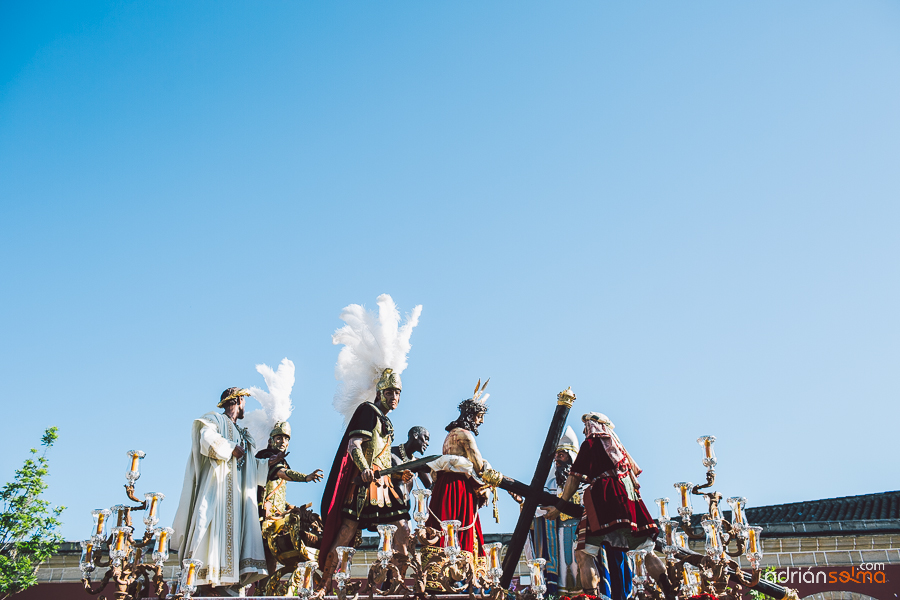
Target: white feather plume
[[276, 403], [372, 343]]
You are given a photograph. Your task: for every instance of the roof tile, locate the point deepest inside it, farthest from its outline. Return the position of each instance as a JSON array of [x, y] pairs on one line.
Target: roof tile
[[881, 506]]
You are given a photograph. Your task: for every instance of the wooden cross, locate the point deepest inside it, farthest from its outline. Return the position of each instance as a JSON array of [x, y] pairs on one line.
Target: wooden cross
[[534, 494]]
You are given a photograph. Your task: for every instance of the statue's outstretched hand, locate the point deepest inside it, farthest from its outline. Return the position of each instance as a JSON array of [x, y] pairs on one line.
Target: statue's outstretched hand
[[552, 513], [316, 475]]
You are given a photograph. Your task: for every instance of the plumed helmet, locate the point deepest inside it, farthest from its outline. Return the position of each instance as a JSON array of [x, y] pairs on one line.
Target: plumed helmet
[[281, 428], [232, 393], [389, 381]]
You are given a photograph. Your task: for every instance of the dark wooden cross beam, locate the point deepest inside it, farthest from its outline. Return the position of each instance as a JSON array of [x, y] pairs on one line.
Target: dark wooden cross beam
[[534, 494]]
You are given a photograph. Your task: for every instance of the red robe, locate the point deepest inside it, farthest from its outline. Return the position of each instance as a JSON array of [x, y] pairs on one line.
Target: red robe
[[453, 497], [606, 501]]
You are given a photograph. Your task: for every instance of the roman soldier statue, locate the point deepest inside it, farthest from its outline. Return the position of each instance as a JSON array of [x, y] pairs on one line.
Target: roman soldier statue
[[291, 534], [356, 497]]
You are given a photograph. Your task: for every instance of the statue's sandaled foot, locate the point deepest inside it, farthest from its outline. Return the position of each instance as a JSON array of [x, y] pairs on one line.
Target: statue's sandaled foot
[[328, 573]]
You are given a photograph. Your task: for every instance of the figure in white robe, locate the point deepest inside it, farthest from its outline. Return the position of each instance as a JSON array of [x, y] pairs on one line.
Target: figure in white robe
[[217, 520]]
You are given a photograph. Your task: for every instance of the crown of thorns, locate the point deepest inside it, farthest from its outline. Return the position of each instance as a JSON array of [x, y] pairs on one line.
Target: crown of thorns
[[472, 406]]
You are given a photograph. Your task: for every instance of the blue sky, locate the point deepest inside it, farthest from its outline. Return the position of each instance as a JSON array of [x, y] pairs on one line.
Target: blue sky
[[687, 212]]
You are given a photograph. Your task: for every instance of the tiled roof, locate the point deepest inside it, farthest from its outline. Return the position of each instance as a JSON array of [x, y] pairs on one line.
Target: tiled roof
[[868, 507]]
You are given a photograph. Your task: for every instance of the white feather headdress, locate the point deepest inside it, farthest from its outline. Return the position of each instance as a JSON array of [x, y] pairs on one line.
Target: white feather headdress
[[372, 343], [276, 403]]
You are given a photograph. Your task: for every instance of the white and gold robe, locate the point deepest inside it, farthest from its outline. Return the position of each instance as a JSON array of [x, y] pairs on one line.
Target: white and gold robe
[[217, 520]]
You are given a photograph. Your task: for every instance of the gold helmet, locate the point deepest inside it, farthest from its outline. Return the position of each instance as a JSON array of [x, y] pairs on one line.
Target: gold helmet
[[389, 381], [281, 428], [231, 394]]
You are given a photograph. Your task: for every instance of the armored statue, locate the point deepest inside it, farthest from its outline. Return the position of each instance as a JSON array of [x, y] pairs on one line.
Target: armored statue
[[291, 534]]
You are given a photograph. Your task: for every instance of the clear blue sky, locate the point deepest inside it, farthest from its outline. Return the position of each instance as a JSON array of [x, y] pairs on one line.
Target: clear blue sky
[[686, 211]]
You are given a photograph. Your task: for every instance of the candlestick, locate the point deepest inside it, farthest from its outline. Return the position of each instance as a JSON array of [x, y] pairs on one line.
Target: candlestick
[[754, 546], [118, 549], [134, 473], [494, 570], [161, 551], [639, 577], [386, 533], [714, 547], [87, 557], [683, 488], [306, 570], [690, 580], [669, 546], [685, 510], [451, 542], [120, 510], [189, 576], [709, 457], [663, 505], [738, 518], [345, 557], [421, 513], [538, 586], [100, 516], [153, 499]]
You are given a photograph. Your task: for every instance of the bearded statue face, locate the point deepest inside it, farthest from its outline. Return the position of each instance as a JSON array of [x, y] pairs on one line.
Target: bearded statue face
[[563, 467], [562, 457]]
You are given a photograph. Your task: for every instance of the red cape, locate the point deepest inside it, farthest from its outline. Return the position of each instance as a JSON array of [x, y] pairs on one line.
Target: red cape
[[340, 480]]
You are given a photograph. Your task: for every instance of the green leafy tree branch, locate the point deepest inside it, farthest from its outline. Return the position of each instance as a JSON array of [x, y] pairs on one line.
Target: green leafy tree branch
[[27, 522]]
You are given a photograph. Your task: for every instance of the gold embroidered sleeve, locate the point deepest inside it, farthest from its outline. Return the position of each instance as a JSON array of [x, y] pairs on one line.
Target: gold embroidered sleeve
[[293, 475]]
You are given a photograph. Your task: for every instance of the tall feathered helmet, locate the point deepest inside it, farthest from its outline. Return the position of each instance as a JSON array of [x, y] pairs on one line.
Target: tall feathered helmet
[[374, 353], [276, 402]]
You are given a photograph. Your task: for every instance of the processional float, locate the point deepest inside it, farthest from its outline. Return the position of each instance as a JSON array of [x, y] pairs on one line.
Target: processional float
[[714, 573]]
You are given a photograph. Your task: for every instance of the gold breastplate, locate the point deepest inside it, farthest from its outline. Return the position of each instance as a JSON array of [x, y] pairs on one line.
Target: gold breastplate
[[276, 494], [377, 449]]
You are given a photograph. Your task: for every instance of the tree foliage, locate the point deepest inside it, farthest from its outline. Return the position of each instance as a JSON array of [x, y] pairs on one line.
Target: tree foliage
[[27, 522]]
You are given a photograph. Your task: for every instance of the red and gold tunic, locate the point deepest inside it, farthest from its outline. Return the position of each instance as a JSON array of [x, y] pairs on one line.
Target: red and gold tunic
[[612, 501], [370, 503]]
